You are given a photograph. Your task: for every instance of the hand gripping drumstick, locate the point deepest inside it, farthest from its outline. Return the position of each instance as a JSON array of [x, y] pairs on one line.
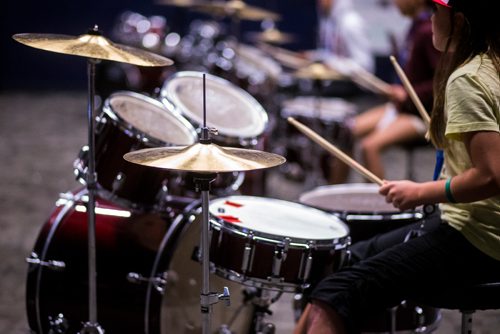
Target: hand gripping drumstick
[[409, 88], [335, 151]]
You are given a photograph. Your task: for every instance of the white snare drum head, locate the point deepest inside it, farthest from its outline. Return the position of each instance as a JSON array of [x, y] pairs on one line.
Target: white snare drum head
[[327, 109], [151, 118], [350, 197], [278, 218], [231, 110]]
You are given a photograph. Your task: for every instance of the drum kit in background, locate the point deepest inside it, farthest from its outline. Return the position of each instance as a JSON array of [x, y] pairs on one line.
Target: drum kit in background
[[171, 217]]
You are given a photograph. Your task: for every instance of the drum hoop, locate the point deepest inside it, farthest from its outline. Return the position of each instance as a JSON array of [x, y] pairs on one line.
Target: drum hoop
[[134, 132], [181, 221], [288, 109], [349, 188], [268, 64], [257, 282], [66, 208], [221, 224], [170, 97]]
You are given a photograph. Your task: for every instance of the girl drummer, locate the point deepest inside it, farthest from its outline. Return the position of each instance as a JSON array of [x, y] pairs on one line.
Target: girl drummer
[[465, 247]]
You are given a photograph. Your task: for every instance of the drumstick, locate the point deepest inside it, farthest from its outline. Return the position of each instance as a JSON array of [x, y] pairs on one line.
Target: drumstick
[[335, 151], [411, 91], [371, 80]]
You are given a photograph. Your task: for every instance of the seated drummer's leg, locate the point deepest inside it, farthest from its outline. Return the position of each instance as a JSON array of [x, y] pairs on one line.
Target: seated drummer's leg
[[364, 249]]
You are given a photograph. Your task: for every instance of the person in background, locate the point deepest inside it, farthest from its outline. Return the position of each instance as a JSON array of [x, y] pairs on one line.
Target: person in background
[[342, 35], [464, 248], [398, 121]]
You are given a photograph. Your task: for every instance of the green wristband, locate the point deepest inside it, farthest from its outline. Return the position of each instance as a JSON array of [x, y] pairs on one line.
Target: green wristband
[[447, 188]]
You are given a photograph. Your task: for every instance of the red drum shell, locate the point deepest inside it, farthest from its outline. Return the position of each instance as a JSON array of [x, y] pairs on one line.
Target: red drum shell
[[156, 245]]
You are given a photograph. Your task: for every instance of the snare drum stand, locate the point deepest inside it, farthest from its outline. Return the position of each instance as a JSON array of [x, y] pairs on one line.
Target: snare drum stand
[[262, 300], [91, 326]]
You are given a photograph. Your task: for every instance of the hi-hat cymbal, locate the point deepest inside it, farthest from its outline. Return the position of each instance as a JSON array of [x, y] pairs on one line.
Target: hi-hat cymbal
[[92, 45], [236, 8], [204, 158], [317, 71], [273, 36]]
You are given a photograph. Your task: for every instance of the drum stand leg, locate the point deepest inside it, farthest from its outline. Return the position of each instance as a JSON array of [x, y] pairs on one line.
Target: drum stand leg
[[261, 301], [91, 326]]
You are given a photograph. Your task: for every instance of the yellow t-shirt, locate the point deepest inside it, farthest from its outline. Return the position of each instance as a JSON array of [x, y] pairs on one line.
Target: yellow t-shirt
[[472, 104]]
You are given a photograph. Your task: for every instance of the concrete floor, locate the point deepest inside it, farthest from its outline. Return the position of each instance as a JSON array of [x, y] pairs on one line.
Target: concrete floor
[[40, 136]]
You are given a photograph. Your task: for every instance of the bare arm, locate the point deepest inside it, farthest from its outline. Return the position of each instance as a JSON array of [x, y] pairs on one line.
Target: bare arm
[[483, 179], [479, 182]]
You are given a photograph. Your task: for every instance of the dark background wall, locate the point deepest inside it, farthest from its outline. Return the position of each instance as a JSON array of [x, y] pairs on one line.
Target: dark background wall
[[22, 67]]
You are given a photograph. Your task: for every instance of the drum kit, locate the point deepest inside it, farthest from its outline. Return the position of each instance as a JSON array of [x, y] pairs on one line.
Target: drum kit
[[241, 223], [162, 252]]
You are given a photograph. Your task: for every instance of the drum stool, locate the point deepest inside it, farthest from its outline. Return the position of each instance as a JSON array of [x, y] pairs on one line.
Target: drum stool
[[468, 299], [410, 149]]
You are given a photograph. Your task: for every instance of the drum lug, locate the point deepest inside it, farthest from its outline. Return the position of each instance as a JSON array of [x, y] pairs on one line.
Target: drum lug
[[118, 182], [280, 253], [246, 142], [51, 264], [159, 282], [420, 320], [306, 263], [100, 123], [248, 252], [58, 324]]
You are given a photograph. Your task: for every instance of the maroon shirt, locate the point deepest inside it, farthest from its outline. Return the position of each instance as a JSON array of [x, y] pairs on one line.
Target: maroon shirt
[[422, 61]]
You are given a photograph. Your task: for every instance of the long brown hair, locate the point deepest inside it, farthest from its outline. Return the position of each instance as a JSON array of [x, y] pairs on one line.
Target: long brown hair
[[480, 35]]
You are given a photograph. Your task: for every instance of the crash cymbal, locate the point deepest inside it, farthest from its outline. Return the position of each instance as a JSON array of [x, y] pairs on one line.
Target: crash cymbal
[[273, 36], [317, 71], [204, 158], [236, 8], [92, 45]]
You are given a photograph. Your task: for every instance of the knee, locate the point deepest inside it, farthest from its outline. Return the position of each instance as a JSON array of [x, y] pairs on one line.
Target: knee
[[369, 146]]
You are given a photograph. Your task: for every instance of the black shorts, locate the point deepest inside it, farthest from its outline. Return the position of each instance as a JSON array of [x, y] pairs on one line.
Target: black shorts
[[393, 270]]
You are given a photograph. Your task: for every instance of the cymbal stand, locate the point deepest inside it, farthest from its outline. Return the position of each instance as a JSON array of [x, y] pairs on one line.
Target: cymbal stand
[[202, 181], [91, 326], [314, 177]]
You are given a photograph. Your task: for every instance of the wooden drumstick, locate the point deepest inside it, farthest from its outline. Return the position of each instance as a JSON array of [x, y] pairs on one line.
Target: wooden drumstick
[[372, 81], [409, 88], [335, 151]]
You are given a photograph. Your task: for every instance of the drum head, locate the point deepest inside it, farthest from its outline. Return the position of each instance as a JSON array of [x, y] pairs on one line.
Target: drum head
[[327, 109], [231, 110], [352, 197], [251, 60], [150, 119], [269, 217]]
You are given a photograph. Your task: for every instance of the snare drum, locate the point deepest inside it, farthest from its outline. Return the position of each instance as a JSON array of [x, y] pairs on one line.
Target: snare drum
[[130, 121], [147, 282], [361, 206], [239, 119], [274, 244]]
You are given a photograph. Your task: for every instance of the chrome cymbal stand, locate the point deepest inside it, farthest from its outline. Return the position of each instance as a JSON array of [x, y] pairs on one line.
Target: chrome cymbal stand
[[91, 326], [202, 181]]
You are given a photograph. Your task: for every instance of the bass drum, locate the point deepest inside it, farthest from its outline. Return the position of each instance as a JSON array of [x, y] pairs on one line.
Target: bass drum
[[147, 280]]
